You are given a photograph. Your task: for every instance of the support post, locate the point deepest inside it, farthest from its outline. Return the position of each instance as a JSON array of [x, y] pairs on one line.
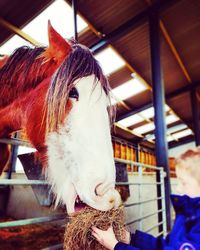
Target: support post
[[13, 159], [160, 124], [74, 7], [195, 116]]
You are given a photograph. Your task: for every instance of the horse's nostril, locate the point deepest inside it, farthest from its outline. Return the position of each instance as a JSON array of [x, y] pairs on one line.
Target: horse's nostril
[[112, 201], [98, 190], [102, 188]]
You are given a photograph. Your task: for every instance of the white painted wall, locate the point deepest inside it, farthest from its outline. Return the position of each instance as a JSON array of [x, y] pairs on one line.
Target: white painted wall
[[175, 152], [23, 203], [140, 193]]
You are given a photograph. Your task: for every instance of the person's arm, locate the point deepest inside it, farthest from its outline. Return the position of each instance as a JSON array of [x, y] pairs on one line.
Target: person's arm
[[124, 246], [145, 241], [139, 240], [107, 239], [190, 238]]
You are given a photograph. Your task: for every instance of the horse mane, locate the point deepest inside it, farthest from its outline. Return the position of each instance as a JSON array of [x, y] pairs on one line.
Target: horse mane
[[80, 63], [24, 70]]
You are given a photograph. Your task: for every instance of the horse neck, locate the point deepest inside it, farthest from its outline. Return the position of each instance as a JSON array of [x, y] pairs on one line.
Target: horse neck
[[22, 81]]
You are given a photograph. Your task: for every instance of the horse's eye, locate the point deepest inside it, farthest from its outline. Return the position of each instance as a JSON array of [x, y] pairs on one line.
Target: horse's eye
[[74, 93]]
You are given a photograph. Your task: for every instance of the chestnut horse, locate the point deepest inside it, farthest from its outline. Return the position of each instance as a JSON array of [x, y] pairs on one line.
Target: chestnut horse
[[59, 96]]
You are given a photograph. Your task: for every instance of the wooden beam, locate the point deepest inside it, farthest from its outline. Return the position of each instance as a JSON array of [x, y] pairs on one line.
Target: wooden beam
[[19, 32]]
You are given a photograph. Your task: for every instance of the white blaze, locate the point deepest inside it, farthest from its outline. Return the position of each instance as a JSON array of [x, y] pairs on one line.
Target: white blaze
[[80, 154]]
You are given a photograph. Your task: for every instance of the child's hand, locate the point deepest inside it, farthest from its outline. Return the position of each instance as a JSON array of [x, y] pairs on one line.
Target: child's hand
[[106, 238], [126, 237]]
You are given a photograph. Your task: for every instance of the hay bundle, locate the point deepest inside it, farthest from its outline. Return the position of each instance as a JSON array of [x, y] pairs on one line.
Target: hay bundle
[[78, 232]]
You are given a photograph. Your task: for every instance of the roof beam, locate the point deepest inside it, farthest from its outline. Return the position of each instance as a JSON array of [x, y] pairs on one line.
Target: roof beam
[[183, 90], [169, 96], [131, 24], [19, 32], [195, 116], [180, 142]]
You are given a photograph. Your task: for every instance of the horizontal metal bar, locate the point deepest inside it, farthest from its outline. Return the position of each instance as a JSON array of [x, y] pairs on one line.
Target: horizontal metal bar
[[43, 182], [19, 223], [22, 182], [138, 183], [160, 233], [138, 164], [16, 142], [55, 247], [144, 217], [143, 202], [151, 228]]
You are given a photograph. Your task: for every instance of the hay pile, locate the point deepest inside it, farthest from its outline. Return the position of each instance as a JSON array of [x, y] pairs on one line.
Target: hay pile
[[78, 232]]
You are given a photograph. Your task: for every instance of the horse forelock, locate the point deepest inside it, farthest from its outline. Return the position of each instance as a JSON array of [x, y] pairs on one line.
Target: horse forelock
[[80, 63]]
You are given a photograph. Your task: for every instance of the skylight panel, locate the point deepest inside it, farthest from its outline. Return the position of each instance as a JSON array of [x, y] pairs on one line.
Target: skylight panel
[[61, 16], [144, 128], [167, 108], [149, 113], [128, 89], [170, 138], [113, 101], [176, 128], [171, 119], [109, 60], [131, 120], [12, 44], [183, 133]]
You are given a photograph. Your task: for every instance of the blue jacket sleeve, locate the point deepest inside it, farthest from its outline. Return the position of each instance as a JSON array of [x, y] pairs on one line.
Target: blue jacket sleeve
[[141, 241], [123, 246], [144, 241]]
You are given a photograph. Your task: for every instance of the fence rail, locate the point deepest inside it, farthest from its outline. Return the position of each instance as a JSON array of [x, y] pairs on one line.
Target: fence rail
[[140, 184], [25, 222]]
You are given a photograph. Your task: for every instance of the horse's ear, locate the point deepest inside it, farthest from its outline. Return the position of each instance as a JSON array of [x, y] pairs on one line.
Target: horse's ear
[[58, 48]]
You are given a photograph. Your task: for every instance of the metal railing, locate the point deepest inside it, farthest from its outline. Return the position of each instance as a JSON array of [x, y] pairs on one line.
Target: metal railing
[[141, 183], [25, 222]]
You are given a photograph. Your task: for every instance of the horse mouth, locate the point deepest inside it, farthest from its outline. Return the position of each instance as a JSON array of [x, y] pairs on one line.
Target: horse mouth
[[79, 205]]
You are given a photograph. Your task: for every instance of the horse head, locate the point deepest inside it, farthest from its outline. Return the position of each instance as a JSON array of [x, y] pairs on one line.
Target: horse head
[[80, 154], [67, 120]]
